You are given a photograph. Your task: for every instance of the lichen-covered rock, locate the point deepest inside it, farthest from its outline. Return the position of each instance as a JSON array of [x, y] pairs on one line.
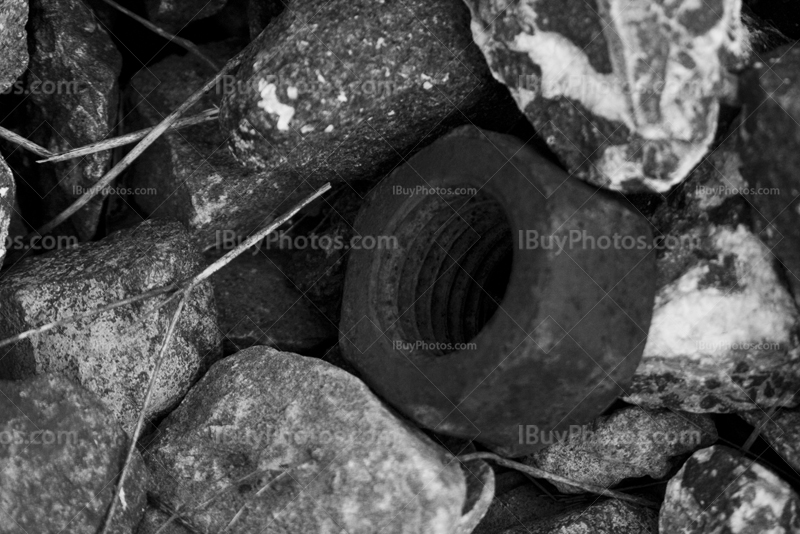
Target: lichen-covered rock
[[781, 430], [768, 138], [7, 191], [74, 94], [61, 453], [190, 174], [305, 447], [626, 93], [719, 491], [606, 517], [113, 354], [630, 442], [257, 305], [13, 41], [723, 337], [174, 15], [350, 95]]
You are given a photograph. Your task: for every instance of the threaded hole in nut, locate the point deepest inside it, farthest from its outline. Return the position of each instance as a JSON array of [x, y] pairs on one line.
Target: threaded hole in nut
[[456, 271]]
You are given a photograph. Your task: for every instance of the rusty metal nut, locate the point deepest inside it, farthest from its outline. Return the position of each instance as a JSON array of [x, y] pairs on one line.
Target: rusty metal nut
[[476, 323]]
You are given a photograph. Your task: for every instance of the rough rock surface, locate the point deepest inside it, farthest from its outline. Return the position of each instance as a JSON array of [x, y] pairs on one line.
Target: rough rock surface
[[113, 354], [768, 146], [13, 43], [257, 305], [7, 191], [74, 95], [174, 15], [61, 452], [781, 431], [719, 491], [724, 328], [630, 442], [190, 174], [320, 452], [625, 93], [154, 519], [335, 91], [606, 517]]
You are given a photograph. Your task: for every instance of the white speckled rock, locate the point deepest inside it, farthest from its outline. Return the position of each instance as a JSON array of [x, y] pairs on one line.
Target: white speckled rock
[[304, 447], [61, 452], [718, 491], [723, 334], [630, 442], [606, 517], [626, 93], [13, 41], [7, 191], [113, 354]]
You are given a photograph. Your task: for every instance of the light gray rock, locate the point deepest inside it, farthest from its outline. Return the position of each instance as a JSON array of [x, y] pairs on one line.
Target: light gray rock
[[606, 517], [723, 334], [718, 491], [631, 442], [113, 354], [304, 447], [7, 192], [13, 41], [61, 452], [73, 100], [626, 93]]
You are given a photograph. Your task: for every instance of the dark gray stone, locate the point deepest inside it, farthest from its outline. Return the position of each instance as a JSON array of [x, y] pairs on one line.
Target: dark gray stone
[[342, 91], [319, 451], [258, 305], [113, 354], [781, 430], [625, 93], [605, 517], [770, 157], [175, 15], [7, 194], [718, 490], [74, 95], [61, 452], [630, 442]]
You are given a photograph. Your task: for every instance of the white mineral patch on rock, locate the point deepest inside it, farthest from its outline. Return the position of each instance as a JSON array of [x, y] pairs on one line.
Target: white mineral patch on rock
[[270, 103]]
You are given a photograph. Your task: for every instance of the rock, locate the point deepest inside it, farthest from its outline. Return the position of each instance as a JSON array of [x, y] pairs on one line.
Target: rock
[[781, 430], [113, 354], [353, 94], [724, 331], [625, 93], [257, 305], [309, 449], [260, 13], [74, 95], [520, 505], [718, 491], [61, 452], [630, 442], [154, 519], [7, 194], [606, 517], [175, 15], [190, 175], [13, 41], [769, 91]]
